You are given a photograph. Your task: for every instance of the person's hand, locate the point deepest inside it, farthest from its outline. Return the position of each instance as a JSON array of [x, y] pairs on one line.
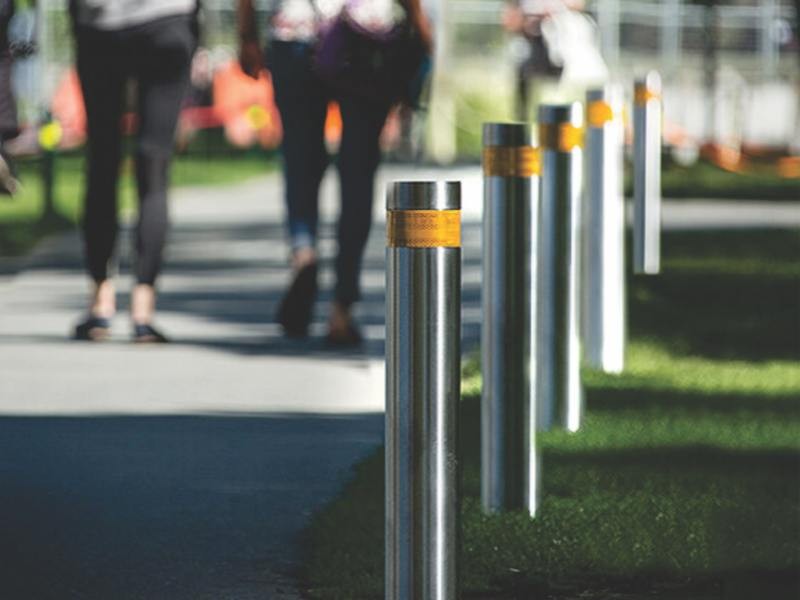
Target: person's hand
[[250, 58], [513, 19], [423, 27]]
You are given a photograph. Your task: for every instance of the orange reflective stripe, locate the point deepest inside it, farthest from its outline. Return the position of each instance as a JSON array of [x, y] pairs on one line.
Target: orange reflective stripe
[[423, 228], [598, 113], [563, 137], [511, 161], [642, 95]]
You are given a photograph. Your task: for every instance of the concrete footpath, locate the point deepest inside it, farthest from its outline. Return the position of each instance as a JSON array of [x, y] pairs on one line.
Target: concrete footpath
[[189, 471]]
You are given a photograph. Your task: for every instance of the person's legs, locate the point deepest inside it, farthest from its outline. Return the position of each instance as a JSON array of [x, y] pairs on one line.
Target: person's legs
[[8, 107], [164, 50], [102, 77], [302, 101], [359, 155]]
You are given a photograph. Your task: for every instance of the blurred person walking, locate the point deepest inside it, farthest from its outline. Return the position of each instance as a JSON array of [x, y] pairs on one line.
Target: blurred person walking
[[8, 108], [150, 42], [559, 52], [534, 64], [306, 38]]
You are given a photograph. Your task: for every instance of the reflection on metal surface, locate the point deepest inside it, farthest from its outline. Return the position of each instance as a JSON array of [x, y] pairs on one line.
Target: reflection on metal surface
[[603, 300], [509, 463], [647, 176], [559, 396], [423, 387]]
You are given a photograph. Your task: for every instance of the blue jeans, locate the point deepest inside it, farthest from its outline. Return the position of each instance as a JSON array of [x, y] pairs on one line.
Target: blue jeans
[[302, 100]]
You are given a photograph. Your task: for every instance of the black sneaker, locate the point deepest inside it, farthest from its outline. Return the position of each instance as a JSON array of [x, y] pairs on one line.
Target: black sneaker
[[297, 306]]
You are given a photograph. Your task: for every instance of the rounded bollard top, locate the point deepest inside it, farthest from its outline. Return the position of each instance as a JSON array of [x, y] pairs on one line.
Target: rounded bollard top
[[507, 134], [424, 195], [554, 114], [561, 127], [608, 93], [603, 105], [651, 82]]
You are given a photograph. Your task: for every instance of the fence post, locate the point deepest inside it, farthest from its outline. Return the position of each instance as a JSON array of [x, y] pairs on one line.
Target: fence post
[[509, 460], [423, 322], [559, 396], [604, 234], [647, 175]]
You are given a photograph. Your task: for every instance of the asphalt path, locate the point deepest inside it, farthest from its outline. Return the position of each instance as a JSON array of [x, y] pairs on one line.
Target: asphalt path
[[189, 471]]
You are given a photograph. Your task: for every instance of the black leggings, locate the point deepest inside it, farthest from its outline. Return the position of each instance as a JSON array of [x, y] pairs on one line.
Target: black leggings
[[8, 107], [157, 57], [302, 100]]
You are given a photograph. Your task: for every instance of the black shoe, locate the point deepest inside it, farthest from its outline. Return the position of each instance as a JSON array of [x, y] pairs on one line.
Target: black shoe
[[93, 329], [144, 333], [297, 306], [349, 338]]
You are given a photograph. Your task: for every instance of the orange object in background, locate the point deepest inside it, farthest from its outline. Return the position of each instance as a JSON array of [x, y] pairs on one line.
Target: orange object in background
[[246, 107], [333, 125], [726, 157], [68, 110], [789, 167]]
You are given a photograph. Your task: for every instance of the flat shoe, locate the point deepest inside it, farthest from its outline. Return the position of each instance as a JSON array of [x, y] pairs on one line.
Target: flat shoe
[[8, 181], [349, 338], [144, 333], [92, 329], [297, 305]]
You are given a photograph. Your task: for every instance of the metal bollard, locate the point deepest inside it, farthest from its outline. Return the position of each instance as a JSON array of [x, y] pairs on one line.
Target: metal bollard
[[559, 396], [604, 233], [423, 320], [647, 175], [509, 469]]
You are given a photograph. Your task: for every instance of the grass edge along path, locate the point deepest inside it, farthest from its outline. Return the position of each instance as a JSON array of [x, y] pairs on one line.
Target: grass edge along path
[[22, 222], [683, 484]]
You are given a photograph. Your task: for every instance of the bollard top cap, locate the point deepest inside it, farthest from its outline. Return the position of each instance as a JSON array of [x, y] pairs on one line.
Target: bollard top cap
[[650, 82], [507, 134], [554, 114], [423, 195], [611, 92]]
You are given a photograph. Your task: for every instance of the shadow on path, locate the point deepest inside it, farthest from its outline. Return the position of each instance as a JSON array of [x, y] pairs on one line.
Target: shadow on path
[[191, 508]]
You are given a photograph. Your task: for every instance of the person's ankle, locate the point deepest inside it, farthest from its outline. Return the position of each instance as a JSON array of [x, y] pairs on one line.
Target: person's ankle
[[143, 304], [103, 303], [340, 318], [303, 257]]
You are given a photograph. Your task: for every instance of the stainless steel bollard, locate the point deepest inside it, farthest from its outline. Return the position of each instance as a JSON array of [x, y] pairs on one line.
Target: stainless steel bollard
[[603, 299], [423, 320], [509, 461], [647, 175], [559, 395]]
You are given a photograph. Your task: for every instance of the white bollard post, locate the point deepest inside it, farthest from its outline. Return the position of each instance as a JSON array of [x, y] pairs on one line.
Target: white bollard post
[[604, 307], [647, 175]]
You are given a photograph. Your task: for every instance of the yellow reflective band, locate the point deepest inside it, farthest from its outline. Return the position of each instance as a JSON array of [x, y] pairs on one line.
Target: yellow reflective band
[[257, 117], [564, 137], [511, 161], [598, 113], [50, 135], [642, 95], [423, 228]]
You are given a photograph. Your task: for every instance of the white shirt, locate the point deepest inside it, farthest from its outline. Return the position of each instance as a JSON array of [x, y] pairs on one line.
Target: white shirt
[[118, 14], [301, 20]]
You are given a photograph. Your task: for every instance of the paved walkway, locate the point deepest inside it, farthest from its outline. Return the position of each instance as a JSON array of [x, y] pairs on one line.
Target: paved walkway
[[188, 471]]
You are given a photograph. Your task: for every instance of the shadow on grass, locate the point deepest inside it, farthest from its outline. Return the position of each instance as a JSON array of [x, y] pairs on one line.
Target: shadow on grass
[[731, 295], [667, 521], [604, 400]]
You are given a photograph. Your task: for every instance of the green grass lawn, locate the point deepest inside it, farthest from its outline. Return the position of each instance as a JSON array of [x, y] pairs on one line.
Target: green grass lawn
[[705, 180], [21, 223], [684, 482]]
